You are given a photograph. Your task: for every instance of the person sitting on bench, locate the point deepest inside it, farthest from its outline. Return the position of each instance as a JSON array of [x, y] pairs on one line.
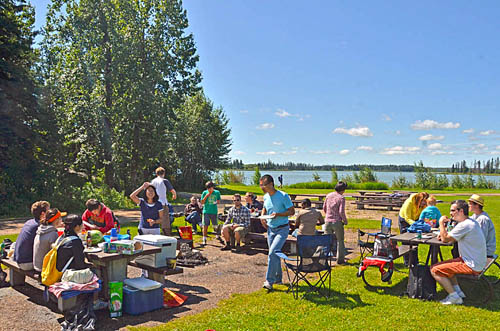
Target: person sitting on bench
[[193, 212], [476, 204], [46, 235], [252, 203], [23, 252], [97, 217], [307, 219], [471, 246], [237, 224]]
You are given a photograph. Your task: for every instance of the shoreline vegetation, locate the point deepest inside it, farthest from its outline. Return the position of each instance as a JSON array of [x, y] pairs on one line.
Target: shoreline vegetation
[[366, 179]]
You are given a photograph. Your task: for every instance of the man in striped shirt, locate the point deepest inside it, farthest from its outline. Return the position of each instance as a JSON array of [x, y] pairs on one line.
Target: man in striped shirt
[[335, 218], [237, 224]]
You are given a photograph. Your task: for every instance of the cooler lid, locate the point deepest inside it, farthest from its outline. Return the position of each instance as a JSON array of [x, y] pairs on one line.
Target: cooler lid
[[142, 284], [155, 239]]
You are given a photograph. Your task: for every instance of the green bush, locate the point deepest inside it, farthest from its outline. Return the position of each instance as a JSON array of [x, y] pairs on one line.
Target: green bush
[[354, 186], [400, 182], [256, 176]]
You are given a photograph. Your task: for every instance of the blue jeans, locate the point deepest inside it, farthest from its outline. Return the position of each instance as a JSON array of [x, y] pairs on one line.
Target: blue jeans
[[194, 218], [276, 238]]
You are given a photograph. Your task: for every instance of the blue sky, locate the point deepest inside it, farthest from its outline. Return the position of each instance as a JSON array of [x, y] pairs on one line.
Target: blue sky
[[378, 82]]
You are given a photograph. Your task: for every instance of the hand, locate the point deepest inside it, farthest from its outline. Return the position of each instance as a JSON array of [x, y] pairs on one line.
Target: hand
[[273, 215], [145, 184], [345, 222], [264, 223], [174, 195], [443, 220], [150, 221]]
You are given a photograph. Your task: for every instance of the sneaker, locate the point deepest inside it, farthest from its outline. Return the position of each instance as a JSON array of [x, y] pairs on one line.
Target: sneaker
[[219, 238], [99, 304], [226, 248], [461, 294], [267, 286], [279, 282], [204, 240], [237, 249], [452, 300]]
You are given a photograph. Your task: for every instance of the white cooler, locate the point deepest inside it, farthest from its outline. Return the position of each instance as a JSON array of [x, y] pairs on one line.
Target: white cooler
[[168, 249]]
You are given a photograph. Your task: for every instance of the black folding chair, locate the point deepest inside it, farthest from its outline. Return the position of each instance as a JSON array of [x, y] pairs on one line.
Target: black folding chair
[[366, 241], [314, 256]]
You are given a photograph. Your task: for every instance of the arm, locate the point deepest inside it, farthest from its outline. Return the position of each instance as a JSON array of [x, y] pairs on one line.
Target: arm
[[110, 223], [443, 234], [86, 224], [134, 194], [342, 211], [204, 198], [264, 222], [229, 217], [174, 194], [321, 219], [297, 221], [289, 212]]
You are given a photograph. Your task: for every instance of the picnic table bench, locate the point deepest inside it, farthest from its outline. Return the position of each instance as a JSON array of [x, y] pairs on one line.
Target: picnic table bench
[[157, 273], [320, 196], [290, 243], [17, 277], [314, 203]]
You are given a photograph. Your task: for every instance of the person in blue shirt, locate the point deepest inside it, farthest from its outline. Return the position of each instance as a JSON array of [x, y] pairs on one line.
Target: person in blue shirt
[[151, 209], [431, 213], [278, 206]]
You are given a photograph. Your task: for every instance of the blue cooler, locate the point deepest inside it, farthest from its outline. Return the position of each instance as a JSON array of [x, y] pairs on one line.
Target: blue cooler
[[138, 301]]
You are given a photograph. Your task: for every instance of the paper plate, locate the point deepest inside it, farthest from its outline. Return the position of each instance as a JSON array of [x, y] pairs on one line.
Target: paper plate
[[92, 250]]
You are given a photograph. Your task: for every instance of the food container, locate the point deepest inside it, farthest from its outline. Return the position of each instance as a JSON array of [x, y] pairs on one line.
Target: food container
[[127, 247], [168, 249]]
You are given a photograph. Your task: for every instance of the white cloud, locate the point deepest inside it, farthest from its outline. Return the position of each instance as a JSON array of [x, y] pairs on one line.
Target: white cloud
[[364, 148], [289, 153], [239, 153], [498, 147], [265, 126], [295, 148], [277, 143], [428, 137], [282, 113], [400, 150], [397, 132], [442, 153], [361, 131], [244, 111], [344, 152], [487, 133], [435, 146], [266, 153], [321, 152], [468, 131], [386, 117], [431, 124]]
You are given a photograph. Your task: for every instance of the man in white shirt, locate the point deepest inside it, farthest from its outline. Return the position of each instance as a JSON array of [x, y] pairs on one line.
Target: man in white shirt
[[471, 248], [476, 204], [163, 186]]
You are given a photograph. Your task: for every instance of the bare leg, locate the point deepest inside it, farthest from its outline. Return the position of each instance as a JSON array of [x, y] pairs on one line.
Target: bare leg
[[446, 283], [225, 234]]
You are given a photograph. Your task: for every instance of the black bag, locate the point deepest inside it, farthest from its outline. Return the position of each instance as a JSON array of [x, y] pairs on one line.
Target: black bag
[[421, 284], [82, 316]]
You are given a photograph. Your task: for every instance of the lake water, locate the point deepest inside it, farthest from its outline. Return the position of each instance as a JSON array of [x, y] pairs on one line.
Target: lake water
[[300, 176]]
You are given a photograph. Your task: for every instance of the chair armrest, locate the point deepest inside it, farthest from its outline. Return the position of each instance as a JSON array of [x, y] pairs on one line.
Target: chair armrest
[[283, 256]]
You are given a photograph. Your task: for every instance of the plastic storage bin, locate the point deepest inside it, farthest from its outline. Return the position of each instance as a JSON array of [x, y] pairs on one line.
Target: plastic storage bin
[[136, 302], [107, 237]]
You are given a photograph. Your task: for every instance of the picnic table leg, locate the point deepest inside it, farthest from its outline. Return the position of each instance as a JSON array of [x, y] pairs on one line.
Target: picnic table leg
[[157, 277], [16, 278]]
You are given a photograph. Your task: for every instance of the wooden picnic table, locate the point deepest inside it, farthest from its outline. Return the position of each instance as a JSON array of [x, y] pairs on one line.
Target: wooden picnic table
[[381, 199], [410, 239], [113, 266], [320, 196]]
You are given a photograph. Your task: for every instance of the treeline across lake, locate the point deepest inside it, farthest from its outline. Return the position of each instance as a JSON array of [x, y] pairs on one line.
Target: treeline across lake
[[110, 92]]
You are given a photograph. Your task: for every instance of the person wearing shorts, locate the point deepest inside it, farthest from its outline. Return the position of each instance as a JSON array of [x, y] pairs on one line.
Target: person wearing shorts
[[471, 248], [237, 225], [210, 198]]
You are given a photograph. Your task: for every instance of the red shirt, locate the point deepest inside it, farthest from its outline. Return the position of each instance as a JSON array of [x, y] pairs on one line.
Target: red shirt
[[104, 220]]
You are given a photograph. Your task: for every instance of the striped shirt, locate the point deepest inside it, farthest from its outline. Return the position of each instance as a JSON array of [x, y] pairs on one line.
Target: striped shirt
[[239, 216], [334, 208]]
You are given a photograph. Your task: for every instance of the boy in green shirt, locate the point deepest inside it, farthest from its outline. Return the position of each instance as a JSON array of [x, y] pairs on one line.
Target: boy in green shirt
[[210, 198]]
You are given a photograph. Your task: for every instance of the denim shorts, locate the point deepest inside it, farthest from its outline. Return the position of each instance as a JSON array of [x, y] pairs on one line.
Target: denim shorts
[[207, 218]]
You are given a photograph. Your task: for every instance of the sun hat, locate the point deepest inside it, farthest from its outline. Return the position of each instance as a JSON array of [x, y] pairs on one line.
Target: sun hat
[[477, 199]]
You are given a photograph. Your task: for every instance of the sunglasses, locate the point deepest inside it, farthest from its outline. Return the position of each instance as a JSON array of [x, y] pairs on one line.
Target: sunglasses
[[236, 200], [454, 210]]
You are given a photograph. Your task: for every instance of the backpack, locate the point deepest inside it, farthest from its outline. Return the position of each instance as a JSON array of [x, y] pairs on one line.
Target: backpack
[[419, 226], [421, 284], [50, 275]]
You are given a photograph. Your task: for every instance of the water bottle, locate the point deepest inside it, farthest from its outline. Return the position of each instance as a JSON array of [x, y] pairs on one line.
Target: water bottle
[[114, 235], [419, 234], [129, 235]]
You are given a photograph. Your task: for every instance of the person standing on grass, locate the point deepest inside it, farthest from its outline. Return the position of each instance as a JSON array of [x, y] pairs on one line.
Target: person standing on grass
[[476, 204], [471, 246], [335, 218], [23, 251], [210, 198], [151, 209], [162, 186], [278, 206]]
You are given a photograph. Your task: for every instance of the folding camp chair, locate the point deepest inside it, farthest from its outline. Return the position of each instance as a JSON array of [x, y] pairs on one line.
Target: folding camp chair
[[314, 256], [366, 246]]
